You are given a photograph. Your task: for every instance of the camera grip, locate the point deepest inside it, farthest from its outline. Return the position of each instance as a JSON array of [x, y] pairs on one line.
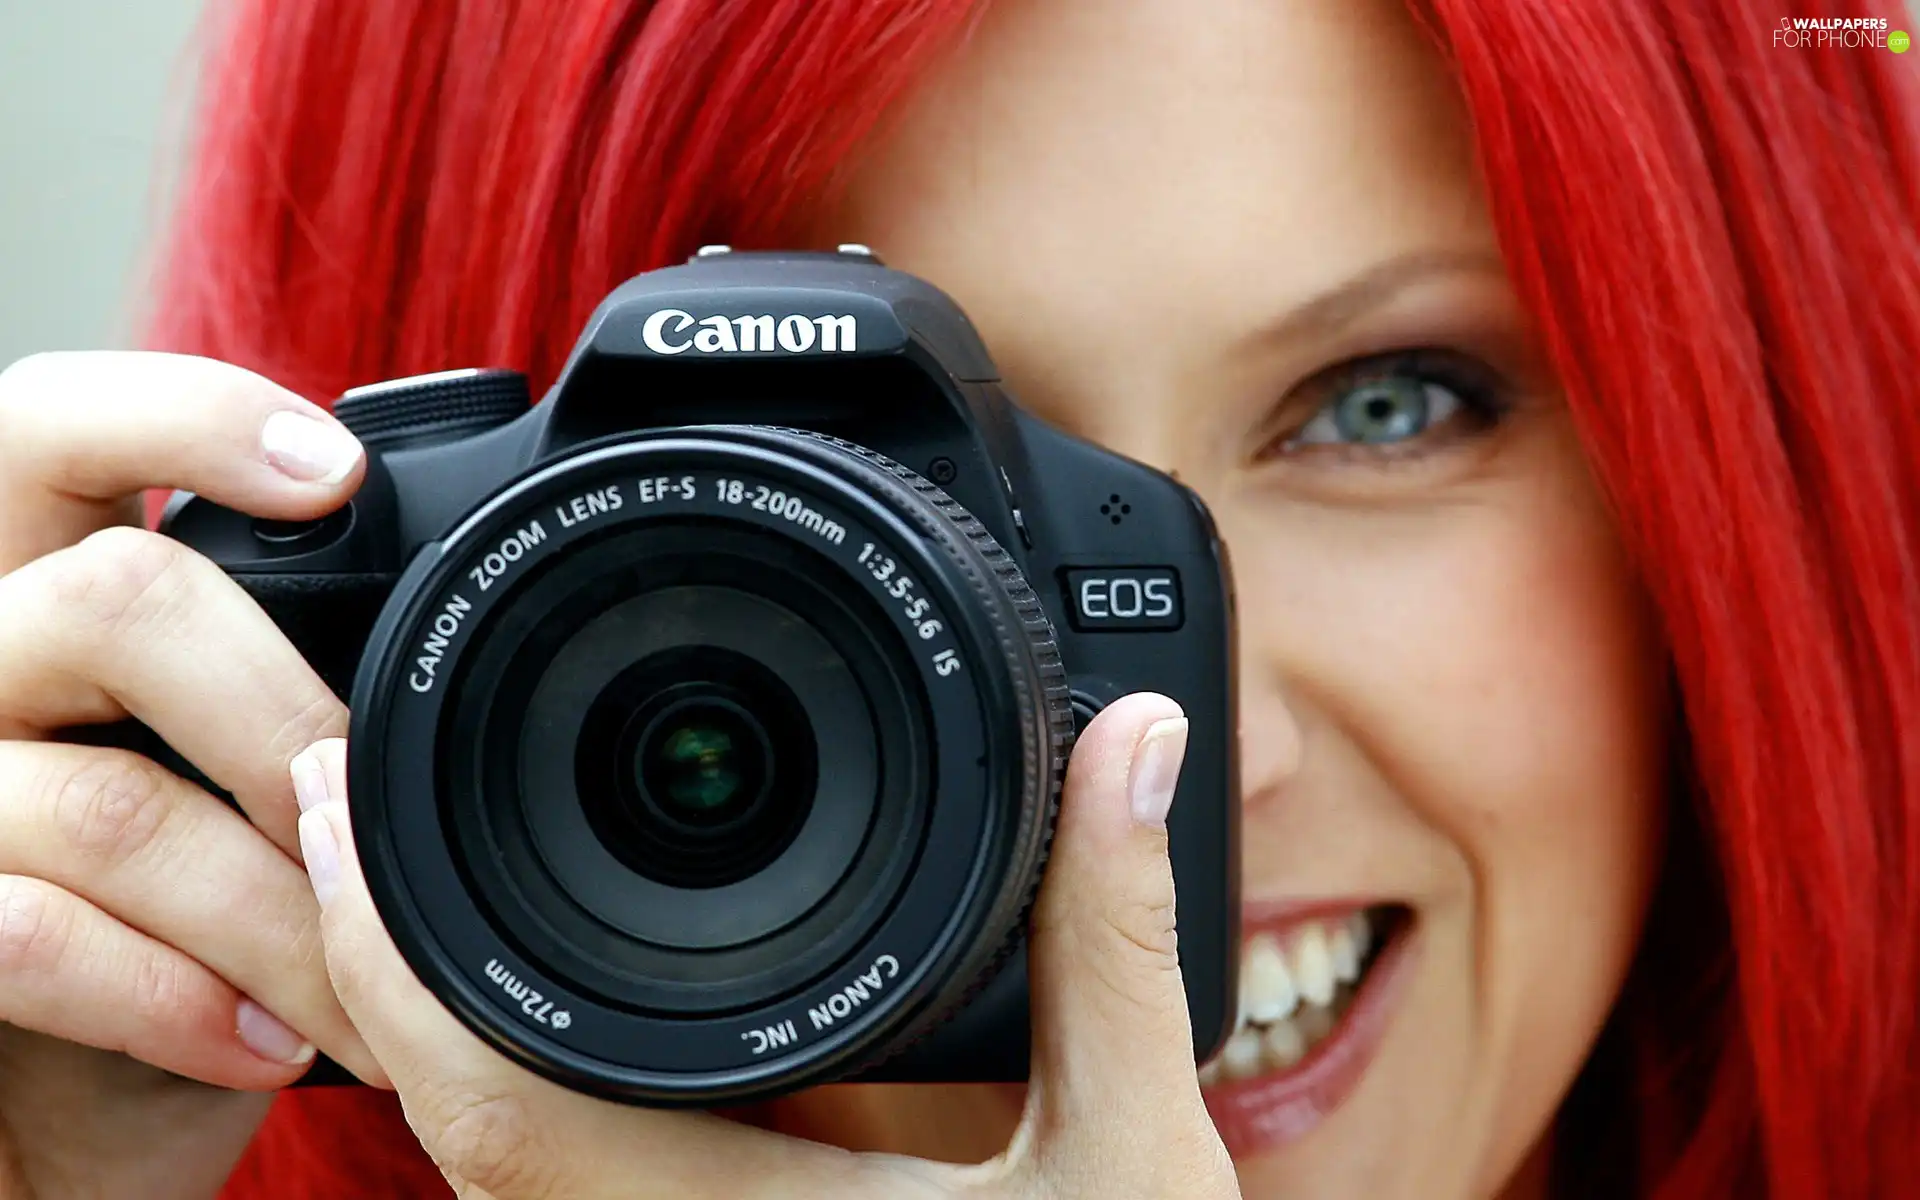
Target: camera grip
[[328, 619]]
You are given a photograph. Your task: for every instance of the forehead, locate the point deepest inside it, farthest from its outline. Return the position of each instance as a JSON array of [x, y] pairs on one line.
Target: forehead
[[1206, 157], [1206, 129]]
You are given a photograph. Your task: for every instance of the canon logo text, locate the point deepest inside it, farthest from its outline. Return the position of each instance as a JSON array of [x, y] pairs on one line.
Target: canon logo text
[[675, 331]]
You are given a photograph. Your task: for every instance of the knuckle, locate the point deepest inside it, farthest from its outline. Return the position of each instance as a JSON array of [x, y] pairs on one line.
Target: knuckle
[[119, 578], [492, 1141], [293, 922], [108, 808], [1137, 945], [35, 928], [1126, 943], [1143, 930], [159, 991], [320, 715]]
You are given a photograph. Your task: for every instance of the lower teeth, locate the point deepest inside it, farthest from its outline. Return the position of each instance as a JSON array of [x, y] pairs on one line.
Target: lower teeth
[[1261, 1046], [1256, 1049]]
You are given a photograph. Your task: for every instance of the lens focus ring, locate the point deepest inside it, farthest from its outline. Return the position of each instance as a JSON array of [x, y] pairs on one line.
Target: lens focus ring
[[1033, 661]]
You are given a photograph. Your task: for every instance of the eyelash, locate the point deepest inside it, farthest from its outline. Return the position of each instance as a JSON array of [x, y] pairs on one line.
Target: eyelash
[[1484, 400]]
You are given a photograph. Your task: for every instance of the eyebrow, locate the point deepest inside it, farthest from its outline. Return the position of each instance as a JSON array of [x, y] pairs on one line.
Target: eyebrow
[[1326, 313]]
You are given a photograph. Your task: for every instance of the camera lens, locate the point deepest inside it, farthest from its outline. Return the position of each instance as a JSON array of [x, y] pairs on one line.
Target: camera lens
[[705, 765], [695, 767]]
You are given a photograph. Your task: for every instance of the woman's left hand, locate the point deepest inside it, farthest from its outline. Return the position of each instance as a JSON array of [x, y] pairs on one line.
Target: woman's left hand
[[1114, 1108]]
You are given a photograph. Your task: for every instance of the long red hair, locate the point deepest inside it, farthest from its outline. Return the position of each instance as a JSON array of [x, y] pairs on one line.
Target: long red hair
[[1716, 235]]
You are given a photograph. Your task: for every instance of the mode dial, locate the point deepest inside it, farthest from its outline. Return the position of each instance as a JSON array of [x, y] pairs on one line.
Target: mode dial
[[433, 408]]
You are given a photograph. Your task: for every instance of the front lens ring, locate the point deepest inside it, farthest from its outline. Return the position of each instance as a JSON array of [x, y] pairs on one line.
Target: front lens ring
[[994, 795]]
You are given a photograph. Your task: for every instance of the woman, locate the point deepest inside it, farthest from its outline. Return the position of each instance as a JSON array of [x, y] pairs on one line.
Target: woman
[[1547, 369]]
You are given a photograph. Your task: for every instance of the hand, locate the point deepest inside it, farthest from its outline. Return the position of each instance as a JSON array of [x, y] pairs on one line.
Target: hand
[[152, 940], [1114, 1109]]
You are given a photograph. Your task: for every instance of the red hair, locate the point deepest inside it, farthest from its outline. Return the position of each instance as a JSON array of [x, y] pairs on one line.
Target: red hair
[[1716, 236]]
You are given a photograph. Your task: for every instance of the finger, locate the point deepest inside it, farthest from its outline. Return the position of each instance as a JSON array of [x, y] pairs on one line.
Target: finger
[[132, 622], [170, 861], [1115, 1096], [502, 1129], [71, 971], [81, 432]]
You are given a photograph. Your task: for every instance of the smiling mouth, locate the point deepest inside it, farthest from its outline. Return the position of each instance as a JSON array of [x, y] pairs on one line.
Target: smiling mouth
[[1297, 987]]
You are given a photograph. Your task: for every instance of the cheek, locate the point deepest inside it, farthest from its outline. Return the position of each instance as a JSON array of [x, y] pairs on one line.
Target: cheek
[[1494, 662], [1496, 674], [1551, 783]]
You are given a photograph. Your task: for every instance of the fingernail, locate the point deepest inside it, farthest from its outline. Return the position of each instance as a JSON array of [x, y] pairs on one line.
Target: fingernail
[[309, 780], [309, 449], [268, 1037], [321, 853], [1156, 769]]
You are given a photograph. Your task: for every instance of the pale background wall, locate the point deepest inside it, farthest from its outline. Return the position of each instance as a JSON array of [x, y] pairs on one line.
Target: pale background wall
[[93, 96]]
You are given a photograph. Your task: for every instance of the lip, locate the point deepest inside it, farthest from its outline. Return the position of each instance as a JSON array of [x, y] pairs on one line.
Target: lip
[[1278, 916], [1263, 1114]]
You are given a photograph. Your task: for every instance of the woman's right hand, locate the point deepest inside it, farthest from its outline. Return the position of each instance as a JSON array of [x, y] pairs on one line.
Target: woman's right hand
[[160, 964]]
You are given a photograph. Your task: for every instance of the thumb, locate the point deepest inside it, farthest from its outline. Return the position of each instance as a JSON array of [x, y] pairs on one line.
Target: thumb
[[1114, 1094], [496, 1130]]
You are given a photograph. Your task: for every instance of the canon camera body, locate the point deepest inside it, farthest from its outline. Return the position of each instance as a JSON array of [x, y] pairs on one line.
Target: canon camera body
[[710, 717]]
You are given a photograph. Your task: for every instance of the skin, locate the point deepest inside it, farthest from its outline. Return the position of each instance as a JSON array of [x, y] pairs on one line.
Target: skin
[[139, 917], [1452, 689]]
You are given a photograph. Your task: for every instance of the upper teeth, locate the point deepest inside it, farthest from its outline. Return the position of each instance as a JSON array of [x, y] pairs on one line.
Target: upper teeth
[[1291, 995], [1314, 959], [1266, 988]]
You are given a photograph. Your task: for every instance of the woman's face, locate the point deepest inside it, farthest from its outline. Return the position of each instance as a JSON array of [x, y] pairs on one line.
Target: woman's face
[[1243, 242]]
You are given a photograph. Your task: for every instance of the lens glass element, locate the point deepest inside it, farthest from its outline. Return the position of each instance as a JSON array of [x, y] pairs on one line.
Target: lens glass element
[[696, 766], [700, 759]]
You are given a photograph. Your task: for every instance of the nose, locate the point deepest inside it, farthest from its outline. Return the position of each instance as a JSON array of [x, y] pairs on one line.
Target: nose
[[1270, 741]]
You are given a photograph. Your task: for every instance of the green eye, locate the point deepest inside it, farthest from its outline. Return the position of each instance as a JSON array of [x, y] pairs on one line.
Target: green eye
[[1382, 409], [1393, 406]]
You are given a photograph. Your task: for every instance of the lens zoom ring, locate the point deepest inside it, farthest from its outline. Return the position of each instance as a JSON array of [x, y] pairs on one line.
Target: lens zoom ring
[[1031, 652]]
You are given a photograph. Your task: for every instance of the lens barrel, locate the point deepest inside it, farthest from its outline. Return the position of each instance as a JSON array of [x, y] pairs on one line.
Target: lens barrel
[[708, 764]]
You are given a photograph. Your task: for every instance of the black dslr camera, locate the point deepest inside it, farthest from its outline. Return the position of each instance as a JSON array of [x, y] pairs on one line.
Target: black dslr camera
[[709, 718]]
